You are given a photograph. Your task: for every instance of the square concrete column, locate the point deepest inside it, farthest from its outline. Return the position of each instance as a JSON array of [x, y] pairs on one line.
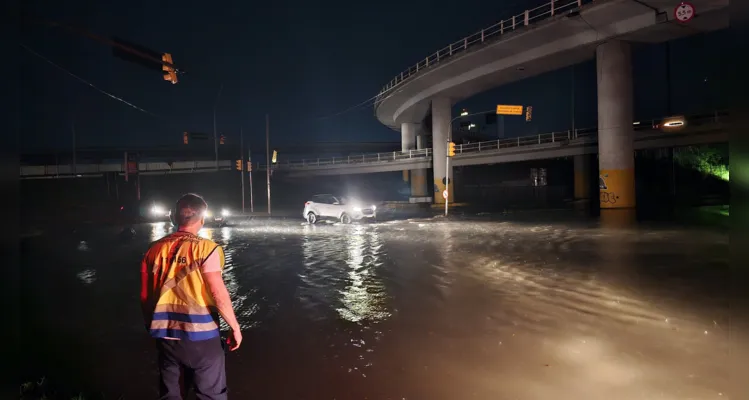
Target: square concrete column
[[408, 141], [419, 176], [408, 136], [441, 116], [616, 159]]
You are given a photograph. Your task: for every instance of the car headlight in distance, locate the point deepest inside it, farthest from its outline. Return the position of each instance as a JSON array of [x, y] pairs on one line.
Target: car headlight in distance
[[157, 210], [374, 207], [225, 213], [207, 214]]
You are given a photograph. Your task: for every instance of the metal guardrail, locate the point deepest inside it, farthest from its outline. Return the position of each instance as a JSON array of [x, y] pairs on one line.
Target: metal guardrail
[[576, 136], [388, 157], [568, 136], [84, 170], [488, 35]]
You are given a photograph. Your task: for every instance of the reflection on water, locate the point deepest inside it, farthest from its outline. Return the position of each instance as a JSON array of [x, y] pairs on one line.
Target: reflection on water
[[87, 276], [225, 235], [364, 297], [341, 273], [158, 230], [206, 233], [454, 310]]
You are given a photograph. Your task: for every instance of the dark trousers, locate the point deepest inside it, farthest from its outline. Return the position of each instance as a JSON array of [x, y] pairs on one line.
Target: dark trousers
[[203, 365]]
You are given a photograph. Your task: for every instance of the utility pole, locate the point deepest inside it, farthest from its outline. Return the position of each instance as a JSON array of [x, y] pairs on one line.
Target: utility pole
[[447, 168], [72, 130], [249, 161], [215, 135], [244, 166], [267, 157]]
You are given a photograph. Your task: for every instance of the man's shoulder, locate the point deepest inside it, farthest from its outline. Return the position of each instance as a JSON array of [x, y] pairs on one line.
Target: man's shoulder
[[159, 244], [209, 243]]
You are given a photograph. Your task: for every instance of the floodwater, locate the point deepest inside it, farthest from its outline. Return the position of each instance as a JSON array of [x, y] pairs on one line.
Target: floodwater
[[419, 309]]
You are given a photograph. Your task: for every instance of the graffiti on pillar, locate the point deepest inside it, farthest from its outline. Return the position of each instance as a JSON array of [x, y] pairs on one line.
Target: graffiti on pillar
[[606, 196]]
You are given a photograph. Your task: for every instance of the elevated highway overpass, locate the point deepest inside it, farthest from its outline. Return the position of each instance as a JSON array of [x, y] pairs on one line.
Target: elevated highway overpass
[[556, 34], [699, 129]]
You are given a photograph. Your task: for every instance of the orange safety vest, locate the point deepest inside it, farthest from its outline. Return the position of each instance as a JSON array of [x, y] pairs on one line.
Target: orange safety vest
[[173, 290]]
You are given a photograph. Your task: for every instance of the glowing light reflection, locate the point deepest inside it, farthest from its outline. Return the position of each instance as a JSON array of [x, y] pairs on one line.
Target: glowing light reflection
[[364, 298], [158, 230], [206, 233]]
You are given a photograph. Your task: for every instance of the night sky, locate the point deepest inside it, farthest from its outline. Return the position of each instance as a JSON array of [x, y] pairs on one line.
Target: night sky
[[299, 61]]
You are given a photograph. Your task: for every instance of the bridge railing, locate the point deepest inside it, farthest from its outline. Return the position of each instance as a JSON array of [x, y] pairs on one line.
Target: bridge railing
[[355, 159], [550, 138], [487, 35], [571, 136]]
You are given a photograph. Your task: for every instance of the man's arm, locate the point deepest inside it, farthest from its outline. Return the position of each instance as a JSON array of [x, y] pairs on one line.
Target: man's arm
[[216, 287], [211, 271]]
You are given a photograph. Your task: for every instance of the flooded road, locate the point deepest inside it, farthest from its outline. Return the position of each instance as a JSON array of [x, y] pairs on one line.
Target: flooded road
[[420, 309]]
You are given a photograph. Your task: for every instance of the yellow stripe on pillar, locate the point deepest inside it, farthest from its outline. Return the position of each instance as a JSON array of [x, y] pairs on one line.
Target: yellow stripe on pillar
[[617, 188], [405, 175], [439, 187], [418, 184]]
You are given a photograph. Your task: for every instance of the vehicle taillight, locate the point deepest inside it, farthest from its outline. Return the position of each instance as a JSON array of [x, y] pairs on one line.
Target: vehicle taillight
[[306, 204]]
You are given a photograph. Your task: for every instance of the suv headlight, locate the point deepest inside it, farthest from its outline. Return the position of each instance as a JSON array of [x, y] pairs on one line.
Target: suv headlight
[[157, 210], [225, 213]]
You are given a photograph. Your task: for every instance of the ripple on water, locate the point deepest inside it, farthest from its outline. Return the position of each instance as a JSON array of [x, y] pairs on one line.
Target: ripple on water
[[87, 276], [500, 310]]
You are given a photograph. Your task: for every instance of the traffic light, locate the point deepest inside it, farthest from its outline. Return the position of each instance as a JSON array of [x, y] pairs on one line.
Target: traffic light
[[185, 138], [239, 165], [450, 149], [171, 73], [528, 113], [275, 155], [222, 139], [249, 166]]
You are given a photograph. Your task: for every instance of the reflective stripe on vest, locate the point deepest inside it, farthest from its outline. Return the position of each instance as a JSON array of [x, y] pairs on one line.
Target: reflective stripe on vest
[[183, 307]]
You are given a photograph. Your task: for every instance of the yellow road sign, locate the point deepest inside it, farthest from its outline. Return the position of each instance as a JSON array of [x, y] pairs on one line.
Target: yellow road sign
[[503, 109]]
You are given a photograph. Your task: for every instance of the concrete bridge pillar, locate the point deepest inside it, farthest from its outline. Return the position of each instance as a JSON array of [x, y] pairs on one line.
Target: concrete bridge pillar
[[615, 133], [419, 176], [408, 141], [441, 113], [408, 135]]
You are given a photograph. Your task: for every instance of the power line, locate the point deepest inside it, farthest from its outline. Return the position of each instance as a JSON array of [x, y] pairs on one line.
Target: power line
[[384, 94], [366, 103], [27, 48]]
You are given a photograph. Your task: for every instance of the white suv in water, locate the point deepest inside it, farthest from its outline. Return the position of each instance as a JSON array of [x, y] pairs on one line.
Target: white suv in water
[[345, 210]]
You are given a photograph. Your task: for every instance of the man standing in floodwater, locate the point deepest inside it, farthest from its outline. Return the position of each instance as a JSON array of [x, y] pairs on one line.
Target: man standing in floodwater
[[181, 290]]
